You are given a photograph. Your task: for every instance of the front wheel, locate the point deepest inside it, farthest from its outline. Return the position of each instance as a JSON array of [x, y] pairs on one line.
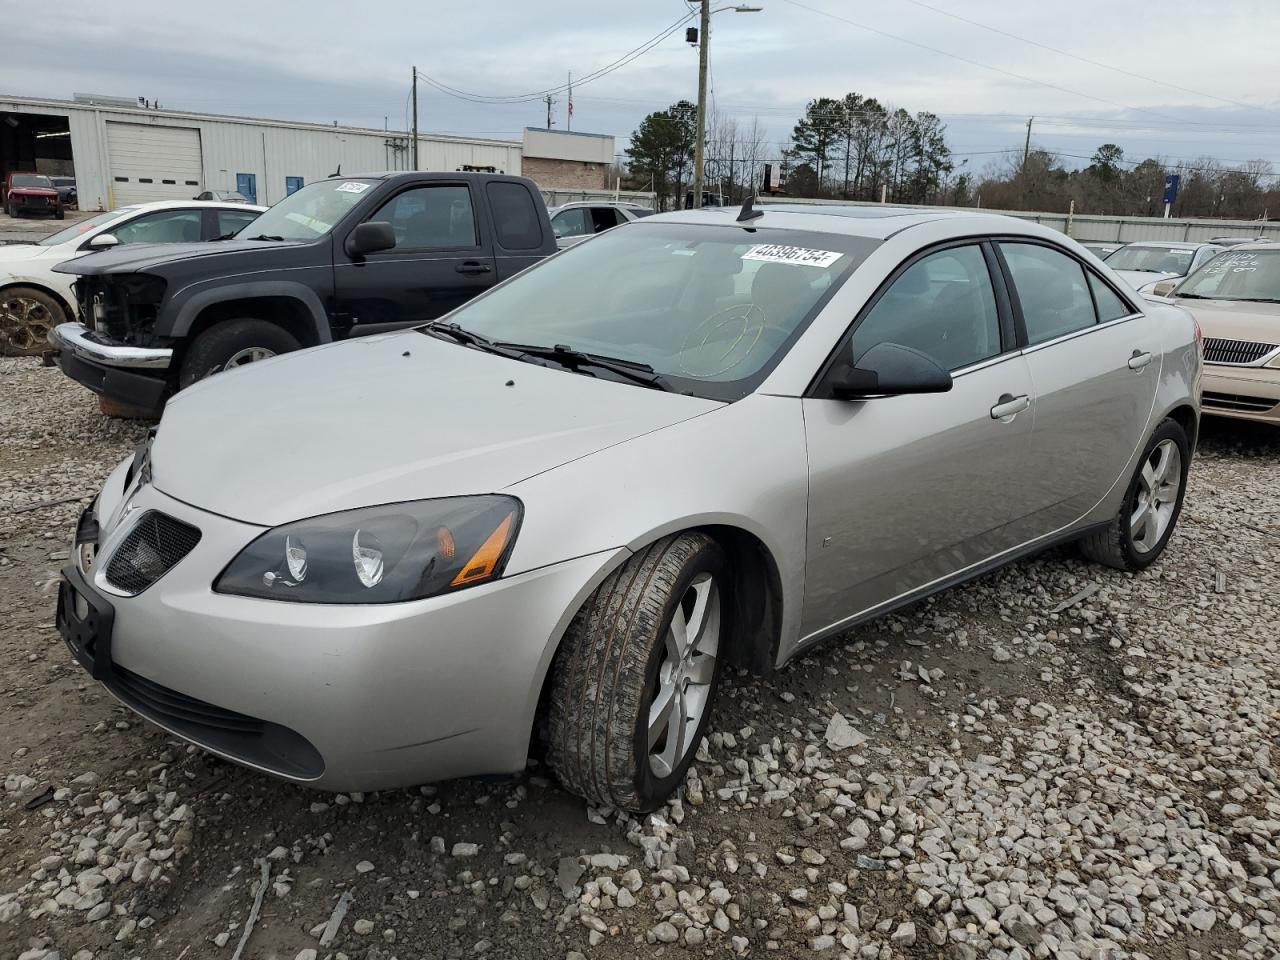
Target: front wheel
[[231, 344], [1137, 536], [636, 675], [27, 314]]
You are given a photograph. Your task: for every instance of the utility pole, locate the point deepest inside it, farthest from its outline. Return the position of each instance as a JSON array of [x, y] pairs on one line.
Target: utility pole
[[415, 118], [568, 117], [701, 135], [549, 101], [1026, 150]]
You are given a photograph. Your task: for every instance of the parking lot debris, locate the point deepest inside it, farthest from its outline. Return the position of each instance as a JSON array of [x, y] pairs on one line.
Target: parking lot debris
[[335, 919], [40, 799], [568, 872], [1219, 582], [253, 912], [841, 735], [1077, 597]]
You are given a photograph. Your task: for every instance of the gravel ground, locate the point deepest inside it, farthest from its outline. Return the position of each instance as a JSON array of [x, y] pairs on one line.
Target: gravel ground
[[1055, 761], [35, 227]]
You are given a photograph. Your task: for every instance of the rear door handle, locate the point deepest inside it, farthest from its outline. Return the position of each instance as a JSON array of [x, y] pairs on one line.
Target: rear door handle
[[1008, 406], [473, 267], [1139, 360]]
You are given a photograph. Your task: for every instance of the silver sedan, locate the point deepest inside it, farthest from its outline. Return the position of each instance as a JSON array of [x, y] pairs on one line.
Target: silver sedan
[[704, 438]]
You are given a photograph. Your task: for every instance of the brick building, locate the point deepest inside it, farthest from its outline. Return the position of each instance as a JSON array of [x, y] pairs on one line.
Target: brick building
[[559, 159]]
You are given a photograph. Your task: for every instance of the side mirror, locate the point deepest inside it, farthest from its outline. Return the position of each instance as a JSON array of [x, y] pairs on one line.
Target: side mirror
[[104, 241], [889, 369], [369, 238], [1163, 288]]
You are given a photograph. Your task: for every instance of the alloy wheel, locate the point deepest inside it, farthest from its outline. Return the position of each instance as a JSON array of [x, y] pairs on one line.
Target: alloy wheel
[[24, 323], [247, 355], [691, 645], [1156, 498]]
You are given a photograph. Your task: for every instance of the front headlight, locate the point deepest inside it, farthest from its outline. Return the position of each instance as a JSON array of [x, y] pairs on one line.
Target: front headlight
[[386, 554]]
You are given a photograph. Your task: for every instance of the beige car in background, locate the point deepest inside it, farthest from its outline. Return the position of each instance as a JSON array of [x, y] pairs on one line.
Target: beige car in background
[[1235, 298]]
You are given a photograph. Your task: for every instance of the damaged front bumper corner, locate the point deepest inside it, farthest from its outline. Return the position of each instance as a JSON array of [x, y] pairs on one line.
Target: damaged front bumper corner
[[93, 347]]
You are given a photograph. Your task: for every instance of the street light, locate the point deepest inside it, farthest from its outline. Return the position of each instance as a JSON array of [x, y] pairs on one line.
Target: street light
[[704, 35]]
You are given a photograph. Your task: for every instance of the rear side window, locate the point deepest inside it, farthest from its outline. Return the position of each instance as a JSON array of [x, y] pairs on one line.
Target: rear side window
[[571, 222], [515, 217], [1110, 306], [1052, 290]]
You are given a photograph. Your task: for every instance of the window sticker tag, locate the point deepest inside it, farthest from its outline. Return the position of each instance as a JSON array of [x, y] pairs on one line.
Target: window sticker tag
[[352, 186], [804, 256]]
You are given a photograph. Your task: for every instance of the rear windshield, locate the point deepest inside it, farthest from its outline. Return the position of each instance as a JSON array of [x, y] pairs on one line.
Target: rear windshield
[[1236, 275], [1173, 261], [31, 180], [711, 308]]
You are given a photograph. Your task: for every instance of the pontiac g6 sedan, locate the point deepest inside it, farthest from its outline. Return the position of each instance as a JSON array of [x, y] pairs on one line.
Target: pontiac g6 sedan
[[552, 517]]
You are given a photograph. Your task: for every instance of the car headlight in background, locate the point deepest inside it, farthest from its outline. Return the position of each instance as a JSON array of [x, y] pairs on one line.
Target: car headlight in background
[[384, 554]]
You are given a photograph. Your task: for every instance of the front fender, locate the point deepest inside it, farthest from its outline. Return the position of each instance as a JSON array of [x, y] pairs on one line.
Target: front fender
[[186, 305]]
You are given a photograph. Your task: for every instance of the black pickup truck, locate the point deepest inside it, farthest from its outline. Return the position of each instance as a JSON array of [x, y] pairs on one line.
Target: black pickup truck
[[342, 257]]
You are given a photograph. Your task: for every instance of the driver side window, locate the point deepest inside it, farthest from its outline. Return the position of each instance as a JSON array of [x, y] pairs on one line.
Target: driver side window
[[942, 305]]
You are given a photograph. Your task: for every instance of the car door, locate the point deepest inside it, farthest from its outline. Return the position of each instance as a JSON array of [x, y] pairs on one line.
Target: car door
[[1095, 363], [906, 491], [439, 260]]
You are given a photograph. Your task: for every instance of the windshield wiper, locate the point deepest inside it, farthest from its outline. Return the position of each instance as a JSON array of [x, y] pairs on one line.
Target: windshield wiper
[[265, 236], [228, 236], [566, 356], [451, 331]]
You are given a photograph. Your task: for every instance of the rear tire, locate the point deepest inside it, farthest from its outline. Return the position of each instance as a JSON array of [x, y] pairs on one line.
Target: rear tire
[[1137, 535], [635, 677], [26, 317], [59, 214], [233, 343]]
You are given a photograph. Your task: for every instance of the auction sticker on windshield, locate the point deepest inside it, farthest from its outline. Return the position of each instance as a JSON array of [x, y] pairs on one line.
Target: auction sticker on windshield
[[353, 186], [779, 253]]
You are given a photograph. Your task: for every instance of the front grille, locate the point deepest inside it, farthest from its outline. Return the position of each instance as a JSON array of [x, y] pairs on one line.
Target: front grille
[[156, 542], [1239, 352], [179, 709], [1235, 401]]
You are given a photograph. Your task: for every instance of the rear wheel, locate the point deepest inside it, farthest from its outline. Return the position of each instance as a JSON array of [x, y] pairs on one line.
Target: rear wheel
[[59, 214], [26, 317], [231, 344], [636, 675], [1139, 533]]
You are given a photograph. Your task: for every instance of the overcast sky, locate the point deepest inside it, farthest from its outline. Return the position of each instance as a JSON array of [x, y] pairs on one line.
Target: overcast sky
[[1218, 92]]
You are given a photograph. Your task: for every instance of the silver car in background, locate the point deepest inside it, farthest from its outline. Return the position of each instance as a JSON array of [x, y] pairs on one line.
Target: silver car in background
[[713, 437], [1145, 264], [578, 221]]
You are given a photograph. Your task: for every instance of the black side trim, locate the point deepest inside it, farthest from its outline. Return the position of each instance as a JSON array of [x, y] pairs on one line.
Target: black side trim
[[964, 576]]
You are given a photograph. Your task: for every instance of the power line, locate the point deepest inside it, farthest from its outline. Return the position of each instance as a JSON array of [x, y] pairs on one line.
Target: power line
[[1066, 53], [975, 63]]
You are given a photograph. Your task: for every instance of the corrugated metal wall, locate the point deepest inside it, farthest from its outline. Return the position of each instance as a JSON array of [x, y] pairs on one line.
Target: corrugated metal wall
[[1086, 227]]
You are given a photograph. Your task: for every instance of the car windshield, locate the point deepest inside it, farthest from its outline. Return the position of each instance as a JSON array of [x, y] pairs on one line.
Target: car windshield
[[30, 180], [311, 212], [710, 308], [1236, 275], [1171, 260], [84, 226]]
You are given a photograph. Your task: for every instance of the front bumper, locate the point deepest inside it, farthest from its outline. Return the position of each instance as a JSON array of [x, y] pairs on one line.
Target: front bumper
[[340, 697], [133, 375], [1245, 393]]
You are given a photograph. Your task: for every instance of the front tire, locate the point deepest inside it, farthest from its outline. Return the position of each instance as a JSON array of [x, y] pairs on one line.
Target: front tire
[[26, 317], [635, 677], [233, 343], [1139, 533]]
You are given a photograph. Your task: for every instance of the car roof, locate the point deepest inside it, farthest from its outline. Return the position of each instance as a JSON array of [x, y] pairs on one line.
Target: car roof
[[1172, 244], [181, 204], [601, 203], [1270, 245], [872, 222]]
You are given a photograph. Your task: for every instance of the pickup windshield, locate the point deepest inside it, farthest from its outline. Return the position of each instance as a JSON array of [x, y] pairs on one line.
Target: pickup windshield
[[709, 309], [310, 213], [31, 180], [1236, 275]]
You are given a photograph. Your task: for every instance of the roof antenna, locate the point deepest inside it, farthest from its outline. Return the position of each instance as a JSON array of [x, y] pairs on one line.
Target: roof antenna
[[338, 172], [749, 212]]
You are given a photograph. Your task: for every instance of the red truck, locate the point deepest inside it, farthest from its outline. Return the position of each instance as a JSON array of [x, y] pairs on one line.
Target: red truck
[[31, 193]]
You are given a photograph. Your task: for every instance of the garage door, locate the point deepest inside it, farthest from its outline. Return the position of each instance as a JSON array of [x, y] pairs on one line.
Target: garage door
[[153, 163]]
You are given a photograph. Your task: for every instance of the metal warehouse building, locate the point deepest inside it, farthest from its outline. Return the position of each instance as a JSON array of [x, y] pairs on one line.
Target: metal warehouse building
[[123, 152]]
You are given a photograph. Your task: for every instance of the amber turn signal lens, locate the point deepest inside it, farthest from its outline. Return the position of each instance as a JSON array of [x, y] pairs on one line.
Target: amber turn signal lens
[[485, 560]]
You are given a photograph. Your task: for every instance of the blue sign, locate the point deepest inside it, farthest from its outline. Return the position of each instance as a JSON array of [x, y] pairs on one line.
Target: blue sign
[[1171, 188]]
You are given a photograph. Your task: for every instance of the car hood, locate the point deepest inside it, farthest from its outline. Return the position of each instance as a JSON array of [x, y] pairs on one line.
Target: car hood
[[387, 419], [1141, 278], [135, 257], [1235, 319], [33, 191], [16, 252]]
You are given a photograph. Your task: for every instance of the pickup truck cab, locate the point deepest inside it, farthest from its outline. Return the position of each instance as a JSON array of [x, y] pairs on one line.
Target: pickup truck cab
[[31, 193], [340, 258]]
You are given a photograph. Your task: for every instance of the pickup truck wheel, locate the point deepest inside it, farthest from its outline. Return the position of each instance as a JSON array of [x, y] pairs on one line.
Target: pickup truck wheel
[[233, 343], [59, 214], [26, 317], [636, 674]]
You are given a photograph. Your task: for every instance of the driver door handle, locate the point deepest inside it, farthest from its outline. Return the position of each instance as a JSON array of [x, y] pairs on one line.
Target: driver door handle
[[1008, 406], [1139, 360], [472, 266]]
